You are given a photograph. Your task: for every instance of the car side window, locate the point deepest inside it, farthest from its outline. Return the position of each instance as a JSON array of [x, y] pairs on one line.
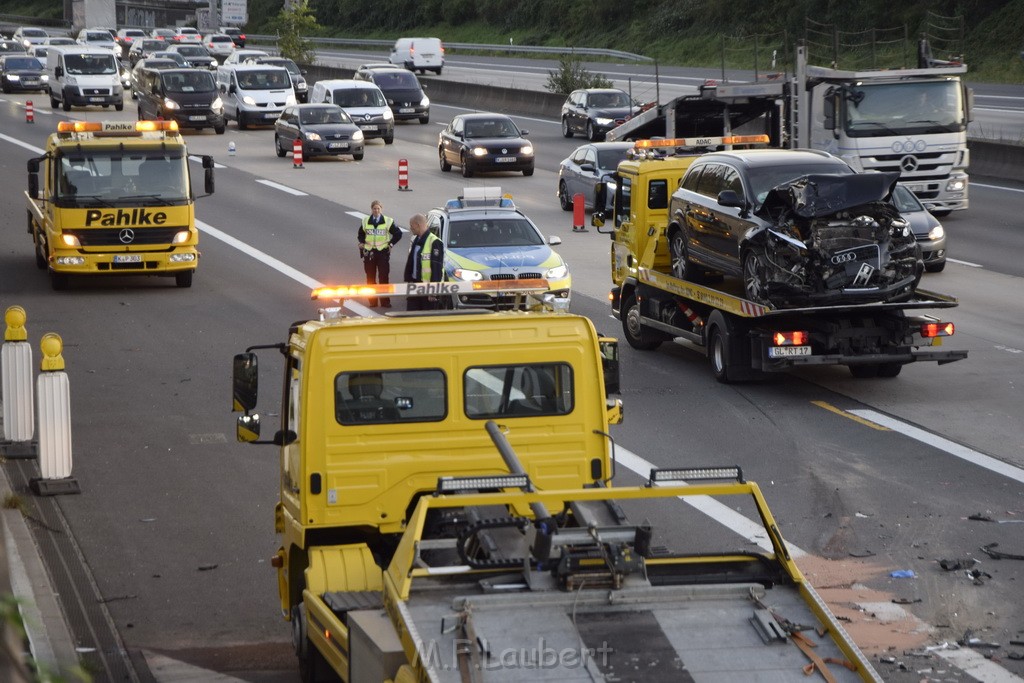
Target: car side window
[[591, 156], [691, 179], [458, 125], [731, 181], [710, 183]]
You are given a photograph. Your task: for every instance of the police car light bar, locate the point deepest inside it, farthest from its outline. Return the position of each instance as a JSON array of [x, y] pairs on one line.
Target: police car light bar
[[400, 289], [502, 481], [690, 474]]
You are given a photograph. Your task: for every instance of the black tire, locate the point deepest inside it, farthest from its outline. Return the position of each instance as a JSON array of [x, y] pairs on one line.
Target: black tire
[[935, 267], [5, 88], [528, 172], [864, 371], [119, 106], [389, 139], [138, 114], [566, 131], [438, 70], [467, 172], [65, 104], [183, 280], [681, 266], [277, 147], [564, 200], [753, 274], [59, 281], [312, 665], [592, 134], [639, 337], [718, 353], [445, 166], [219, 130], [425, 119], [242, 125], [53, 102], [40, 249], [358, 157], [890, 370]]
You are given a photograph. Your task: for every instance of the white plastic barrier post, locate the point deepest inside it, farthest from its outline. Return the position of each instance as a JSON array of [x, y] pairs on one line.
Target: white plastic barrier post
[[16, 386], [54, 405]]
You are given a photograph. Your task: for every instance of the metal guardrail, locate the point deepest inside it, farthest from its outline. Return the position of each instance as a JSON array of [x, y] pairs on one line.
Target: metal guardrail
[[481, 47]]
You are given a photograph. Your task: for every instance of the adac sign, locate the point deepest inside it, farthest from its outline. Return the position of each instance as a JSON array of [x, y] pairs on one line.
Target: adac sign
[[124, 217]]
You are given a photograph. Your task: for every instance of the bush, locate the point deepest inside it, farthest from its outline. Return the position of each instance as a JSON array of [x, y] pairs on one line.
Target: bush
[[572, 76]]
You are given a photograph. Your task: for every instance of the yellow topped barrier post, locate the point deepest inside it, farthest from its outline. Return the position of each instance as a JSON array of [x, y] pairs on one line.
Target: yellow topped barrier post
[[54, 406], [16, 382]]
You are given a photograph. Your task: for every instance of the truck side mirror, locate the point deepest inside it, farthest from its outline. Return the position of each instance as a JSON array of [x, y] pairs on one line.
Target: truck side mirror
[[232, 88], [829, 113], [245, 385], [207, 161], [247, 428], [969, 104], [208, 185], [610, 364], [33, 178]]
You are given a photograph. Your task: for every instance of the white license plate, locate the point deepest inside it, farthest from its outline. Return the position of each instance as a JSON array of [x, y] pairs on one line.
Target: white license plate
[[504, 160], [917, 187], [406, 110], [95, 99], [367, 127], [788, 351], [271, 115], [197, 118], [338, 145], [128, 258]]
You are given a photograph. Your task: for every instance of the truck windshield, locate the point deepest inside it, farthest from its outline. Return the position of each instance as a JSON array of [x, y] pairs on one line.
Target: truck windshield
[[98, 177], [89, 65], [906, 108]]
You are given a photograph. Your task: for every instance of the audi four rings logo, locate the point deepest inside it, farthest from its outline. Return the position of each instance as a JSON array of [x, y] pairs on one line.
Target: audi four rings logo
[[127, 236], [908, 145], [844, 258]]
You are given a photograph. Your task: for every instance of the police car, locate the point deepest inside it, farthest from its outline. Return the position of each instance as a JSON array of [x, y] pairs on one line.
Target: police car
[[487, 238]]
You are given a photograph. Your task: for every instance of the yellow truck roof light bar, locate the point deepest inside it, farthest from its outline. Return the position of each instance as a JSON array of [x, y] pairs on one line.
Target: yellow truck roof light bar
[[118, 128], [401, 289], [644, 149]]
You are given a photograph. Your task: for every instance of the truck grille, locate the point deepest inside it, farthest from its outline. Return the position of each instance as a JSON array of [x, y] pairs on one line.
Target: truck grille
[[106, 237], [95, 91]]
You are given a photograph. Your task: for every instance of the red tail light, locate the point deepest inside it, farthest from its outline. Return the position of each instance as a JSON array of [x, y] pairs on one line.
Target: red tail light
[[938, 329], [242, 37], [412, 48], [797, 338]]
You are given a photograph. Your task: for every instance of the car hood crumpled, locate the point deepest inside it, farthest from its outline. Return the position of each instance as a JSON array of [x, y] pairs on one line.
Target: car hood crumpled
[[815, 196]]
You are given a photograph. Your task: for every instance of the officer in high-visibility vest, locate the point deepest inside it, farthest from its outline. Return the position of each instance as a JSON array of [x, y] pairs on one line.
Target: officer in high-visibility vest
[[426, 262], [377, 234]]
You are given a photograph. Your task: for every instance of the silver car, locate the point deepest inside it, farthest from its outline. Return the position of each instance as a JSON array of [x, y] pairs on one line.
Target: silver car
[[926, 228], [588, 171]]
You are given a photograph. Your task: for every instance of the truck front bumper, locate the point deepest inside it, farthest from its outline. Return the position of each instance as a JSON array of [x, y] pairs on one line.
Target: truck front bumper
[[127, 263]]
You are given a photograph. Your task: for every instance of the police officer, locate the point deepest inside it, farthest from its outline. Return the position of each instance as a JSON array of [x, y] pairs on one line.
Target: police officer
[[377, 234], [426, 262]]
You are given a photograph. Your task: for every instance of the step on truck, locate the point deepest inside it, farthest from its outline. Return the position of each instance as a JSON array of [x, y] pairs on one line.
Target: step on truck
[[115, 198], [743, 339], [447, 513]]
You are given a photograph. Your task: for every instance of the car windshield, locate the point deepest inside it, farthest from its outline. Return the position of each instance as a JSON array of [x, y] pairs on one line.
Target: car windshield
[[170, 56], [905, 108], [609, 99], [152, 45], [905, 200], [88, 65], [390, 80], [189, 81], [100, 178], [765, 178], [160, 64], [609, 159], [98, 37], [22, 63], [318, 115], [264, 80], [359, 97], [286, 63], [33, 33], [493, 232], [192, 51], [491, 128]]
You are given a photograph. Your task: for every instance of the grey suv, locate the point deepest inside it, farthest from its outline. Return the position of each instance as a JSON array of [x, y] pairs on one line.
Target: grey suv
[[799, 227]]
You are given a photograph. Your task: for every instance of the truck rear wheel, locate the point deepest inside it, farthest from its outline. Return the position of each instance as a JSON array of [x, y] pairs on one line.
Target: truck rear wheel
[[889, 370], [864, 371], [637, 334], [718, 354], [312, 665]]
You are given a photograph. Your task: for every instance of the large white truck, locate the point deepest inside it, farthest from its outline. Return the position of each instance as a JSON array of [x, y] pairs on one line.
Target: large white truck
[[907, 120]]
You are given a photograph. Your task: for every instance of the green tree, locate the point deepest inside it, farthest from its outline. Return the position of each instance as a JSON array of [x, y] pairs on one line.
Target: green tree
[[571, 75], [295, 22]]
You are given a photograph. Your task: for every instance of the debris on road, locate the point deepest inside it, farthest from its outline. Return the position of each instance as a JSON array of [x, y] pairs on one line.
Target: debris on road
[[997, 555], [963, 563], [903, 574]]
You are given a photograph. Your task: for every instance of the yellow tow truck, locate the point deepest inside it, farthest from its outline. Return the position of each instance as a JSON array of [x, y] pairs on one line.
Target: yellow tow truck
[[115, 199], [446, 512]]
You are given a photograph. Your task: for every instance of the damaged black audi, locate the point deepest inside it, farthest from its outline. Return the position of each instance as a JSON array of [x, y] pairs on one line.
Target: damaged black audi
[[798, 227]]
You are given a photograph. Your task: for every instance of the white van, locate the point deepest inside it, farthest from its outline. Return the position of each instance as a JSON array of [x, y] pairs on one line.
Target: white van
[[83, 76], [254, 94], [418, 54], [361, 100]]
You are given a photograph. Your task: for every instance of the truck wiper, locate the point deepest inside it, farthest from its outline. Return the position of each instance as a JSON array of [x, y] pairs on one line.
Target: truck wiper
[[155, 197], [883, 126], [98, 199]]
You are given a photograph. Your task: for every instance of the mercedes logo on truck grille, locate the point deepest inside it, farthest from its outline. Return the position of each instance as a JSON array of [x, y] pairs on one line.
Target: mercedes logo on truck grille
[[127, 236], [908, 163]]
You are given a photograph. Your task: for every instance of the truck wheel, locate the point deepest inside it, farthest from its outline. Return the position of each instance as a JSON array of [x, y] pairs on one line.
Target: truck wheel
[[566, 131], [639, 336], [864, 371], [219, 130], [563, 196], [312, 665], [754, 277], [40, 257], [718, 354], [184, 279], [889, 370], [445, 166], [58, 281]]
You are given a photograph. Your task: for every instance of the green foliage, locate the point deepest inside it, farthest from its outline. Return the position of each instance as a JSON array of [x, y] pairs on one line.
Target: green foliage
[[294, 23], [572, 76]]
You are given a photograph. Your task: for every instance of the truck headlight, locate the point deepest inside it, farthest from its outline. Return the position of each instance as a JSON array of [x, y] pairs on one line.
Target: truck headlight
[[70, 80], [70, 240], [467, 275], [557, 273], [956, 185], [181, 237]]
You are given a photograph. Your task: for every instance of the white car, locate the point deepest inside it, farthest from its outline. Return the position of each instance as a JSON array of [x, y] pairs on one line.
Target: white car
[[99, 37], [29, 36], [239, 56], [187, 34], [219, 45]]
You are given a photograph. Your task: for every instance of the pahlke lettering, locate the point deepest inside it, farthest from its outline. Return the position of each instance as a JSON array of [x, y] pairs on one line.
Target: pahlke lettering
[[429, 288], [122, 217]]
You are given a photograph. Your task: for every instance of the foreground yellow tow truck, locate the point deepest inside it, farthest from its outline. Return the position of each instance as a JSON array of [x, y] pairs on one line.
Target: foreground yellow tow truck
[[447, 513], [115, 199]]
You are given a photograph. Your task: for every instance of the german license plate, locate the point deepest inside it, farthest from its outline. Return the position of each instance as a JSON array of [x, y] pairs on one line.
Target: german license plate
[[128, 258], [917, 187], [197, 118], [338, 145], [95, 99], [406, 110], [367, 127], [505, 160], [788, 351], [271, 115]]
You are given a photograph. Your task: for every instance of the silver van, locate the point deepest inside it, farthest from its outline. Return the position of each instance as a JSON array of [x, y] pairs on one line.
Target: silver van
[[83, 76], [418, 54], [361, 100]]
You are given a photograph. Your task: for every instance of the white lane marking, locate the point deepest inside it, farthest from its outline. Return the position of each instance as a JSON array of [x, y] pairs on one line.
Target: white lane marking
[[964, 263], [199, 160], [997, 187], [283, 188], [19, 143], [721, 513], [260, 256], [978, 666], [963, 452]]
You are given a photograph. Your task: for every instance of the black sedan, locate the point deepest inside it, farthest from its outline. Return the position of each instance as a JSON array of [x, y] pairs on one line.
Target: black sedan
[[595, 111], [588, 171], [484, 143], [22, 73], [196, 55], [323, 129]]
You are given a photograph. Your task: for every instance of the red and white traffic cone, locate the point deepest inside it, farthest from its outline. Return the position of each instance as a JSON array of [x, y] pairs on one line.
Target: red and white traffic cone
[[30, 114], [297, 154], [578, 208], [403, 175]]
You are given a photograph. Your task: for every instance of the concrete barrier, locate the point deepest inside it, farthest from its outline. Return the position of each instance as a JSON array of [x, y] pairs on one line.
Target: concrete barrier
[[990, 159]]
